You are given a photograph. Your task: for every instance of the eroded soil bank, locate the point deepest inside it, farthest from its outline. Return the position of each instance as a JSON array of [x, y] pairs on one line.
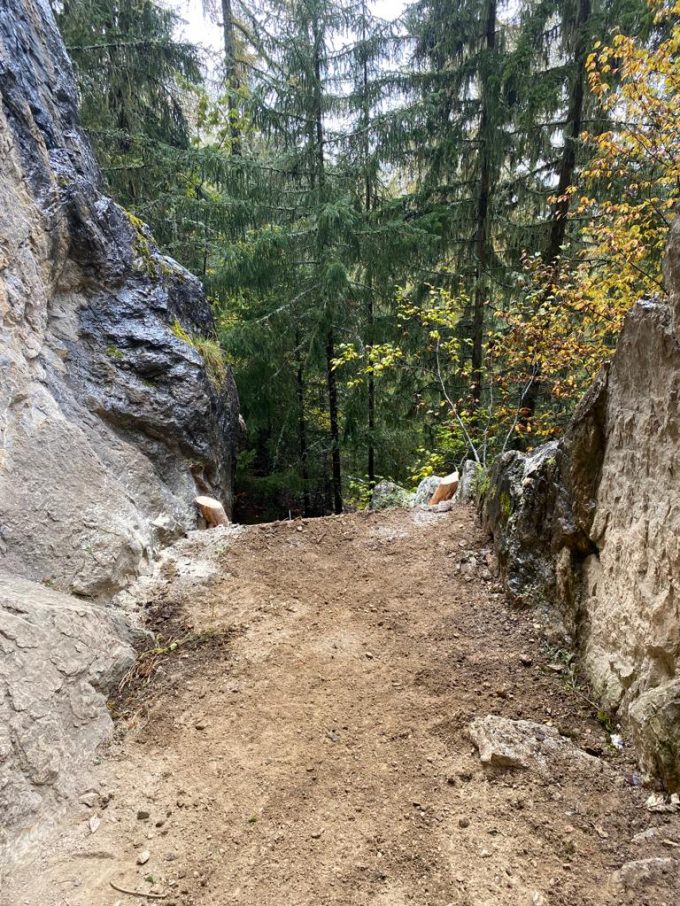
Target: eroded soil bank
[[310, 745]]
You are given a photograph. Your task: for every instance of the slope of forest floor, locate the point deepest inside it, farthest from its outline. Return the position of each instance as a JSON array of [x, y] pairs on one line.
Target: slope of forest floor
[[306, 742]]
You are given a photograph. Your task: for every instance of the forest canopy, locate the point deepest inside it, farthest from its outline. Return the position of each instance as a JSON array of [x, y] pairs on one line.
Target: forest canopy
[[419, 237]]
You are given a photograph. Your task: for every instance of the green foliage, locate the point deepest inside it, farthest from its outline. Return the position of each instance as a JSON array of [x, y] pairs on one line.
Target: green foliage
[[481, 484], [133, 77], [209, 350], [114, 352], [181, 333], [385, 216], [213, 358]]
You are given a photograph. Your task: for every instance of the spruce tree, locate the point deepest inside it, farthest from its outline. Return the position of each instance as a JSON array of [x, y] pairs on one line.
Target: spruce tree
[[461, 143], [132, 74]]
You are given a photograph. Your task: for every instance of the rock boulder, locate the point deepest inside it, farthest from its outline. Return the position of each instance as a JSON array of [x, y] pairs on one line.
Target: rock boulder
[[590, 527], [387, 494], [110, 423], [426, 489]]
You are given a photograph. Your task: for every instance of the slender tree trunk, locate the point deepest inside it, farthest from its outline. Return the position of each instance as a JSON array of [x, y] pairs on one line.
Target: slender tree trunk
[[371, 391], [560, 211], [368, 199], [482, 219], [302, 425], [230, 77], [335, 432], [336, 471]]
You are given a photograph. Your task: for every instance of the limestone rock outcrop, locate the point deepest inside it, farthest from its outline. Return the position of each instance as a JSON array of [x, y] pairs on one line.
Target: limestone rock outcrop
[[109, 421], [592, 525]]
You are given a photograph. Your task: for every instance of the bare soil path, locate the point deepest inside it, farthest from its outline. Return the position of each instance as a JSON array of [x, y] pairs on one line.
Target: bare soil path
[[311, 747]]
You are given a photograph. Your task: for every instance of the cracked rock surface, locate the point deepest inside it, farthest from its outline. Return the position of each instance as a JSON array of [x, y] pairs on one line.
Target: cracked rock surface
[[58, 655], [109, 424]]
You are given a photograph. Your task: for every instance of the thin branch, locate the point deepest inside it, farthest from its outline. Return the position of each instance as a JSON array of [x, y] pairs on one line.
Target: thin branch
[[453, 406], [518, 411]]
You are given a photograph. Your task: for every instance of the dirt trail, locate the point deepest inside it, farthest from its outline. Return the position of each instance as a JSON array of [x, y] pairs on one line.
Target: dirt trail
[[312, 748]]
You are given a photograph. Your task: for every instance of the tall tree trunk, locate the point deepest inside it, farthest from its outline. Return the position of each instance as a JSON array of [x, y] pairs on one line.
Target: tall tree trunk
[[302, 425], [368, 198], [230, 77], [482, 217], [558, 225], [336, 471], [335, 431], [371, 390], [560, 211]]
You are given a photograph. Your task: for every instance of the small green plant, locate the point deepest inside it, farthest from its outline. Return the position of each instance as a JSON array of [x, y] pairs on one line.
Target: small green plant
[[605, 720], [358, 492], [114, 352], [145, 260], [181, 333], [574, 683], [212, 355], [209, 350], [481, 483]]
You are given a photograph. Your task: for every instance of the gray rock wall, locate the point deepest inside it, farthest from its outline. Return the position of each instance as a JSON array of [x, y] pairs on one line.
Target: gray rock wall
[[107, 419], [592, 525], [109, 425]]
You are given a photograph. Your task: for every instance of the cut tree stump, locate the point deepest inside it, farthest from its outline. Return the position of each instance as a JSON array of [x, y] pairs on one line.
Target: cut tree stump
[[212, 511], [446, 489]]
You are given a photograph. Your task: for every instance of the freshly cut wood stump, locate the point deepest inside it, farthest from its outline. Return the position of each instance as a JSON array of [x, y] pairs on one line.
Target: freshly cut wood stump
[[446, 489], [212, 511]]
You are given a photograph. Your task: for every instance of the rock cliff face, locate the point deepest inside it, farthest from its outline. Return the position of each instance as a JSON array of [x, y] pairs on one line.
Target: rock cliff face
[[592, 524], [109, 424], [107, 418]]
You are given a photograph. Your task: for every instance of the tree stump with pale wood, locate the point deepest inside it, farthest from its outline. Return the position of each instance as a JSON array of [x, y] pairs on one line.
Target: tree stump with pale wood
[[212, 511], [446, 489]]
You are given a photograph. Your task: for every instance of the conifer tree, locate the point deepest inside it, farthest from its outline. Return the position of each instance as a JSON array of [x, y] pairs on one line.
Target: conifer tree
[[132, 74], [461, 142]]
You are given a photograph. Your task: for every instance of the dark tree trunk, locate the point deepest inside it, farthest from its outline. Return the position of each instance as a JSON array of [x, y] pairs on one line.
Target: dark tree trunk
[[371, 398], [302, 426], [558, 225], [370, 319], [335, 431], [336, 470], [230, 77], [482, 222], [560, 211]]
